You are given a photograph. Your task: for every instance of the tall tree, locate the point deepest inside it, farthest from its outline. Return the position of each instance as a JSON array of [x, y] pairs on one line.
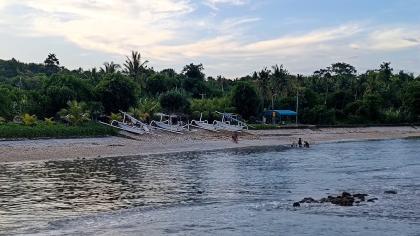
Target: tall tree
[[277, 82], [52, 63], [194, 80], [110, 68], [134, 66], [263, 82]]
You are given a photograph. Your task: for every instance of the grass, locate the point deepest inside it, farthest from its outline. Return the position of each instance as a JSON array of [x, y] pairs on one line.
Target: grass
[[263, 126], [42, 130]]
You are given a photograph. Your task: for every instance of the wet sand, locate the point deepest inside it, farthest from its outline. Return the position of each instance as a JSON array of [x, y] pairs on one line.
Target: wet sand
[[198, 140]]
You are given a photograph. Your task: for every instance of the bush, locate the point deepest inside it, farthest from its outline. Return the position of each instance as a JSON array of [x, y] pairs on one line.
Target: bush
[[49, 121], [43, 130], [245, 100], [174, 102], [76, 113], [207, 107], [29, 120], [117, 92], [319, 114]]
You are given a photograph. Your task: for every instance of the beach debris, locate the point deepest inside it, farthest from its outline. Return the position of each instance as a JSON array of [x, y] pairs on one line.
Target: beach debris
[[390, 192], [344, 199]]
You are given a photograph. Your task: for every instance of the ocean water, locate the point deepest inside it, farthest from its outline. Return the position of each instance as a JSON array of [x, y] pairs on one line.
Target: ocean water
[[248, 192]]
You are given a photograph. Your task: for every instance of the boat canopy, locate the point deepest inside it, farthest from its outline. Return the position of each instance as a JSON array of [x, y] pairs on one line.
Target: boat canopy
[[280, 113]]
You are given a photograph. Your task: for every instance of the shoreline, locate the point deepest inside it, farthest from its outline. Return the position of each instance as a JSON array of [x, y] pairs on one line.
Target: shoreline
[[196, 141]]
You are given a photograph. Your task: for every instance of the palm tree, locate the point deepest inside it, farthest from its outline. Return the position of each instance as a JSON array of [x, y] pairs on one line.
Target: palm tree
[[110, 68], [133, 66], [75, 114], [277, 82], [263, 83]]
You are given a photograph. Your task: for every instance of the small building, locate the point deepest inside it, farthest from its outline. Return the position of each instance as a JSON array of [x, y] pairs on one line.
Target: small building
[[279, 116]]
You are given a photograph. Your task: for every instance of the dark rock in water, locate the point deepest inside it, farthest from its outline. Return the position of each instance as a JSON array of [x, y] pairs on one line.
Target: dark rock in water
[[200, 192], [324, 200], [346, 194], [308, 200], [372, 199], [343, 201], [390, 192], [296, 204]]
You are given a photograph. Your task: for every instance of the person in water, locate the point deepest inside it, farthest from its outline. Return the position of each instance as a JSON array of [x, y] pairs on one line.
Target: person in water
[[300, 142], [306, 144]]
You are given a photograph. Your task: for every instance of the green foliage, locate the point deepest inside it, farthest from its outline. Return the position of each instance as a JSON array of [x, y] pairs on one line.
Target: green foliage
[[29, 120], [2, 120], [76, 113], [411, 100], [49, 121], [115, 116], [174, 102], [263, 126], [160, 83], [335, 94], [61, 88], [207, 107], [6, 101], [42, 130], [245, 100], [145, 110], [117, 92], [319, 114]]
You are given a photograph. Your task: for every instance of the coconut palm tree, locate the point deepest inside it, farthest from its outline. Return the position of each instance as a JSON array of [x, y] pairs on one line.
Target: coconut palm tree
[[110, 68], [133, 66]]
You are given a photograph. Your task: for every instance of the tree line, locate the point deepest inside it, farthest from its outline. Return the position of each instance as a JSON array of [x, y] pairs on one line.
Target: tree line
[[337, 94]]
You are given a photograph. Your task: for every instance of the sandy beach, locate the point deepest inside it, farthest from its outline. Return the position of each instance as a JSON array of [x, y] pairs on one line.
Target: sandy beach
[[197, 140]]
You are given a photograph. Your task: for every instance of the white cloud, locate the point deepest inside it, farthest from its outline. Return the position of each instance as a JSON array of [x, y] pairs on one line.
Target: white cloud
[[109, 25], [394, 39], [169, 32], [215, 3]]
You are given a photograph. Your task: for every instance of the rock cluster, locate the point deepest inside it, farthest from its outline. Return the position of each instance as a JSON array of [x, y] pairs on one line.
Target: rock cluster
[[345, 199]]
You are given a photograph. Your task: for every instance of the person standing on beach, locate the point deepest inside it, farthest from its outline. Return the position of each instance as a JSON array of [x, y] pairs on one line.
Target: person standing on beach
[[235, 137], [300, 142]]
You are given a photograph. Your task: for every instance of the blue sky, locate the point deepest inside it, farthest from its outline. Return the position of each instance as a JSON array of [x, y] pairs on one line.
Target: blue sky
[[230, 37]]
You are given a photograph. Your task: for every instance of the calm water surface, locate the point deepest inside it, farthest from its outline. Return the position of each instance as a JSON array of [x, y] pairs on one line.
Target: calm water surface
[[232, 193]]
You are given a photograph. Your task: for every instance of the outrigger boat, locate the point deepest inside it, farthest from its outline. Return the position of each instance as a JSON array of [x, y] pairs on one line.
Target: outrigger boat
[[203, 124], [135, 122], [167, 125], [129, 124], [230, 122]]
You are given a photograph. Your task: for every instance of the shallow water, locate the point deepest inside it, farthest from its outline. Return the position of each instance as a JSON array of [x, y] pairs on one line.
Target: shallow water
[[232, 193]]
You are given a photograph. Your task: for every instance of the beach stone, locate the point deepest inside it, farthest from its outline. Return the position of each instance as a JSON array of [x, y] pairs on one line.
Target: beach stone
[[390, 192], [296, 204], [372, 199], [346, 194]]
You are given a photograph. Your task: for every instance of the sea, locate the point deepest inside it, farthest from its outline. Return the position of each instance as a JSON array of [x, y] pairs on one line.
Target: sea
[[236, 192]]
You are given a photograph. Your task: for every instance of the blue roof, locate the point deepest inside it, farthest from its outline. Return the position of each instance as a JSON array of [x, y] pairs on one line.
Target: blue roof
[[280, 112]]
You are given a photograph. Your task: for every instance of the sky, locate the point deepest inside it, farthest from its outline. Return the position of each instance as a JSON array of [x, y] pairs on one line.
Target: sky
[[232, 38]]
